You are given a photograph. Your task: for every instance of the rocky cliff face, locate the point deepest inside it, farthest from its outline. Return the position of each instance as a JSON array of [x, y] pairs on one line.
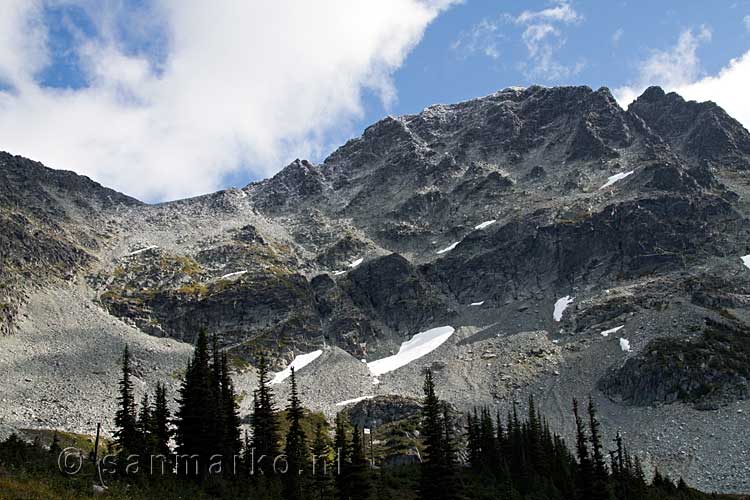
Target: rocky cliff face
[[481, 215], [51, 226]]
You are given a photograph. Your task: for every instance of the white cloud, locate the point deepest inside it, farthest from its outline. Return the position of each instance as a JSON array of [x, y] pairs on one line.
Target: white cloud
[[544, 37], [668, 68], [562, 12], [482, 38], [541, 33], [679, 70], [728, 89], [242, 86]]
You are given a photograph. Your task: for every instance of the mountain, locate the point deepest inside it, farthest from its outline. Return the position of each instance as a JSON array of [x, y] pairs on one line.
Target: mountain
[[573, 247]]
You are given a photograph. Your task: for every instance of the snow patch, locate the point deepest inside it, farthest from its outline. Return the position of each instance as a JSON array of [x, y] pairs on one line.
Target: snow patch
[[448, 248], [356, 263], [561, 305], [420, 345], [606, 333], [746, 261], [298, 363], [617, 177], [485, 224], [232, 275], [150, 247], [352, 401], [624, 344], [477, 303], [338, 273]]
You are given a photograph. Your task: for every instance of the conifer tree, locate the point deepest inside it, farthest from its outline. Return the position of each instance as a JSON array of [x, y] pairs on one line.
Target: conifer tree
[[600, 475], [488, 441], [196, 423], [537, 457], [473, 447], [321, 452], [359, 484], [297, 452], [432, 432], [230, 411], [342, 452], [144, 425], [265, 426], [160, 421], [438, 481], [126, 434], [585, 471], [449, 484], [219, 431]]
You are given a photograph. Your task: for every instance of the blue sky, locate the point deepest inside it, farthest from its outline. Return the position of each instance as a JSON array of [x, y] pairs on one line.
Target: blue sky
[[164, 99], [436, 73]]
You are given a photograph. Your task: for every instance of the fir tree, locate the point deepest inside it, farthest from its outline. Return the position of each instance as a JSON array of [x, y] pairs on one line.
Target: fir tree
[[432, 432], [359, 484], [126, 434], [438, 481], [196, 416], [265, 442], [144, 425], [342, 451], [449, 483], [230, 412], [600, 475], [473, 447], [160, 421], [219, 430], [296, 449], [488, 442], [585, 470], [321, 452]]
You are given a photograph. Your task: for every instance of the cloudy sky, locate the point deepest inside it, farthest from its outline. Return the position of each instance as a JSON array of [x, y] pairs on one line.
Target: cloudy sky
[[164, 99]]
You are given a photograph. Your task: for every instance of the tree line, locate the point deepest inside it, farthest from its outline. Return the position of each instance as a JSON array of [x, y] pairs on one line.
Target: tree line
[[203, 453]]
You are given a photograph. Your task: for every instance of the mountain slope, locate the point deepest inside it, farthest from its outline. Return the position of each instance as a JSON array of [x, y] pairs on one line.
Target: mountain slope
[[486, 216]]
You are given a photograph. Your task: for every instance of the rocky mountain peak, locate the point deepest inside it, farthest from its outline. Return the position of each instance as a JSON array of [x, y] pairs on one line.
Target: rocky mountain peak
[[699, 131]]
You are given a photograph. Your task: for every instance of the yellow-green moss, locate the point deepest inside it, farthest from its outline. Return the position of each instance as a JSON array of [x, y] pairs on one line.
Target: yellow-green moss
[[195, 289]]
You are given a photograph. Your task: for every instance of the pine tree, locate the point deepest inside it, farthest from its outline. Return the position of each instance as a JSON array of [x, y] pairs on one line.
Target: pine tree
[[126, 434], [585, 470], [488, 442], [321, 451], [359, 484], [219, 426], [449, 485], [600, 477], [438, 480], [144, 425], [230, 412], [432, 431], [196, 416], [296, 449], [473, 447], [265, 426], [342, 451], [537, 457], [160, 421]]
